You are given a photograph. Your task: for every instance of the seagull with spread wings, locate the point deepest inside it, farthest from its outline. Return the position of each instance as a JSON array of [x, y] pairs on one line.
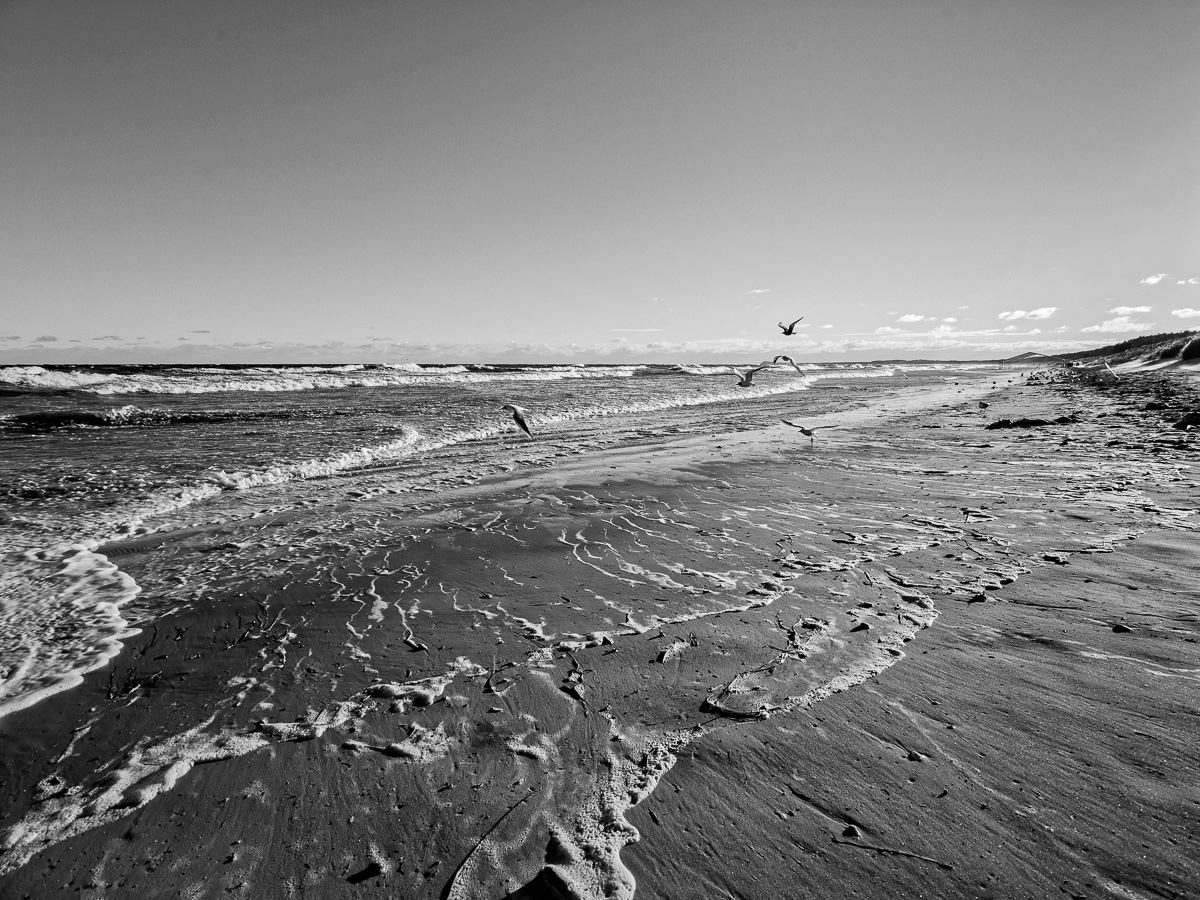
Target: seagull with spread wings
[[746, 379], [518, 414], [789, 329], [807, 432], [789, 361]]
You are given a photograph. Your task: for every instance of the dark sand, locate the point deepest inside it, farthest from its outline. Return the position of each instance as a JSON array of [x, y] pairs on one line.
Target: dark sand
[[918, 658]]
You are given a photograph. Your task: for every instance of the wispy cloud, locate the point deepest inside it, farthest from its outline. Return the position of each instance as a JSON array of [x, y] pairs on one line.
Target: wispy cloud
[[107, 337], [46, 338], [913, 317], [1119, 325], [200, 331], [949, 319], [1043, 312], [761, 291], [1188, 281], [1186, 313], [1126, 310], [1153, 279]]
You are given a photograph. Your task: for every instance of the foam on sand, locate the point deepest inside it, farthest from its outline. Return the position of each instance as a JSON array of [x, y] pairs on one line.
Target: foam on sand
[[61, 609], [65, 811]]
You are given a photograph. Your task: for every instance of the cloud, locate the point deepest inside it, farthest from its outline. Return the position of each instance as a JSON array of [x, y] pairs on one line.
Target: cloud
[[949, 319], [1043, 312], [888, 329], [46, 338], [1188, 281], [913, 317], [826, 326], [1120, 325], [10, 337], [200, 331], [107, 337], [761, 291], [1153, 279], [1126, 310], [1186, 313]]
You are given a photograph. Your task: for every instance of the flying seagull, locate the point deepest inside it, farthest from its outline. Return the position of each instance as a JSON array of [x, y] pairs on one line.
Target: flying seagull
[[747, 377], [790, 361], [789, 329], [807, 432], [518, 414]]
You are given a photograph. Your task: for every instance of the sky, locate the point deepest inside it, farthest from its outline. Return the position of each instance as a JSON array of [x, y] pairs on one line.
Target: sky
[[559, 181]]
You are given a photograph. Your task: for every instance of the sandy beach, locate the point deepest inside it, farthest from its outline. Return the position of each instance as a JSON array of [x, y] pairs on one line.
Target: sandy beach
[[913, 657]]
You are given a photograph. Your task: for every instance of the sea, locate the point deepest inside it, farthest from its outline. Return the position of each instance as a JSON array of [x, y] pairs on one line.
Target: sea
[[95, 459]]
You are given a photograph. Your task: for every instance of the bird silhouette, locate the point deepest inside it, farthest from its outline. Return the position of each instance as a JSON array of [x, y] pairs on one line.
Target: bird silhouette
[[746, 379], [789, 360], [789, 329], [809, 433], [518, 414]]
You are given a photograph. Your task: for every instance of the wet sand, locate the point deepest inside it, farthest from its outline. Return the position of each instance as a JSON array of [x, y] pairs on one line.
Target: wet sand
[[915, 657]]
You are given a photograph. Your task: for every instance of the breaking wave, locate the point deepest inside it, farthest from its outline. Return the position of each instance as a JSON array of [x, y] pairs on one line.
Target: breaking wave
[[220, 379]]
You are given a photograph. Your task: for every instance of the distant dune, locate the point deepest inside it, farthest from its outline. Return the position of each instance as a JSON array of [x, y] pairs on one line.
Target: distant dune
[[1151, 351]]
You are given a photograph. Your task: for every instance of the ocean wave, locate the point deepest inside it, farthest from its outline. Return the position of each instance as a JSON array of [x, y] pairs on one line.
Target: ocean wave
[[147, 417], [204, 380], [720, 369], [414, 442], [411, 441], [39, 378]]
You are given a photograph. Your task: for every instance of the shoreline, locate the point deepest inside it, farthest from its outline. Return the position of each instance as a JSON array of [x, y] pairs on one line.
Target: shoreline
[[842, 498]]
